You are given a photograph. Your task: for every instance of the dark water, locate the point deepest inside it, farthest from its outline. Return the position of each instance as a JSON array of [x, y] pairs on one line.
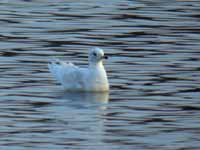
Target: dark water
[[154, 72]]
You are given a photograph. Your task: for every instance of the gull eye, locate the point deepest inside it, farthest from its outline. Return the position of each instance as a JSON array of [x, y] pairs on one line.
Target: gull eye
[[94, 54]]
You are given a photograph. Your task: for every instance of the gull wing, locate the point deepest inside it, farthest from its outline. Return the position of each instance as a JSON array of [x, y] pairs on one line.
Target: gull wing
[[69, 75]]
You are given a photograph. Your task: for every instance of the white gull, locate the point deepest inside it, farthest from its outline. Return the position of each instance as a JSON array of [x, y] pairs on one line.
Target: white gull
[[74, 78]]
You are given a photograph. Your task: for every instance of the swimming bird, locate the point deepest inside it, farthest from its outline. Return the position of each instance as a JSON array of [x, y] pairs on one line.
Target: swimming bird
[[74, 78]]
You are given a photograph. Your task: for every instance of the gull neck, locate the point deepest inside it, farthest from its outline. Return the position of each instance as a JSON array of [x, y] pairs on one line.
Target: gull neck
[[96, 64]]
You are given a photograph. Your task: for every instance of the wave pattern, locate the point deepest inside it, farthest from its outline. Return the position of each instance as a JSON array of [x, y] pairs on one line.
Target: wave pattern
[[153, 69]]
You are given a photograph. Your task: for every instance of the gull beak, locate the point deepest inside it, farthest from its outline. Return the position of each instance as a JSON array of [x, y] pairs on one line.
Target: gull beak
[[105, 57]]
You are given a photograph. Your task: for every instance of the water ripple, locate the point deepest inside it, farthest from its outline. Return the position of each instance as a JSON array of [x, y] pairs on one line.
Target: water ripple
[[153, 71]]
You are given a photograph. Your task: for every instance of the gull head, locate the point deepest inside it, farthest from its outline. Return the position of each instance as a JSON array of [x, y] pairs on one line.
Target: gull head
[[96, 55]]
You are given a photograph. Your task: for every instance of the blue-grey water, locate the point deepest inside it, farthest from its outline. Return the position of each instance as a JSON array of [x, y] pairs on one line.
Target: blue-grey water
[[153, 70]]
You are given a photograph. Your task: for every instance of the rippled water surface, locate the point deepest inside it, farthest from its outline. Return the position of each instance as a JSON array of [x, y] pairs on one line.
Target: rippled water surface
[[154, 72]]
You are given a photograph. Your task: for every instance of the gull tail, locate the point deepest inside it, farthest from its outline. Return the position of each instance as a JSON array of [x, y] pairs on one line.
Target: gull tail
[[55, 66]]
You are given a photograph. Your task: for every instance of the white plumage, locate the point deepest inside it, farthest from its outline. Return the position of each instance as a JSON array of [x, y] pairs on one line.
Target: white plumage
[[73, 78]]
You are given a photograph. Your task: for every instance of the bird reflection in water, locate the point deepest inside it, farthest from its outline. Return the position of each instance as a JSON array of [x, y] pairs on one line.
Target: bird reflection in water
[[85, 99]]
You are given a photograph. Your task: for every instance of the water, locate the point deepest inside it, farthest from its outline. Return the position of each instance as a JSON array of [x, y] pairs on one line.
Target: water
[[154, 72]]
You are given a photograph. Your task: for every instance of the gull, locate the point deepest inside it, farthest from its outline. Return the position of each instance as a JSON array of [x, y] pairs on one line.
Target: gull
[[74, 78]]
